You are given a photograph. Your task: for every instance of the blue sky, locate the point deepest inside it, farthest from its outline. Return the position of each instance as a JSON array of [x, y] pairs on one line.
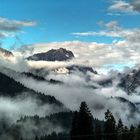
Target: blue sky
[[57, 19]]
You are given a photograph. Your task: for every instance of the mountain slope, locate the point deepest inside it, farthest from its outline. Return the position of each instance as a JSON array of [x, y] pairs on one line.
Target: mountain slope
[[11, 88]]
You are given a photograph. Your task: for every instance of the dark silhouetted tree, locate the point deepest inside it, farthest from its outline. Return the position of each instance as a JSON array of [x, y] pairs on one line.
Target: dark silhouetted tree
[[82, 126], [125, 135], [131, 134], [110, 126], [120, 128]]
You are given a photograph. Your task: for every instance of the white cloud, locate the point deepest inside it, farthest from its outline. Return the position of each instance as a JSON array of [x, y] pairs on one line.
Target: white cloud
[[112, 29], [121, 6], [112, 25], [124, 48], [100, 33]]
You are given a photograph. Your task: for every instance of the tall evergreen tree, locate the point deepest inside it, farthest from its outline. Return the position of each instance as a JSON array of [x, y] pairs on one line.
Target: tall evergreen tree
[[120, 128], [131, 132], [110, 126], [125, 135], [82, 124]]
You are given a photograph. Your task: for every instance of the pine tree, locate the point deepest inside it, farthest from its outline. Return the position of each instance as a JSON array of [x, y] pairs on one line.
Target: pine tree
[[131, 134], [82, 124], [120, 128], [110, 126], [125, 135]]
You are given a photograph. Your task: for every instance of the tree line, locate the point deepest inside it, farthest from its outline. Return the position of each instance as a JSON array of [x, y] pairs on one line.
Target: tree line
[[82, 128]]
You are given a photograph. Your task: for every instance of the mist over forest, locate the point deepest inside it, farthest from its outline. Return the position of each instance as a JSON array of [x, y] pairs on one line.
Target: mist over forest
[[69, 70]]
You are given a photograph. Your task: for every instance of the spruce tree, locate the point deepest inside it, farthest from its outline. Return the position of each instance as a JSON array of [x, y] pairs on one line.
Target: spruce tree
[[82, 124], [110, 126], [131, 132], [120, 128], [125, 135]]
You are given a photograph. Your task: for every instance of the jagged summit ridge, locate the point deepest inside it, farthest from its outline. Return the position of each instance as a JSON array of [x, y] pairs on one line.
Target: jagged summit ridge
[[60, 54]]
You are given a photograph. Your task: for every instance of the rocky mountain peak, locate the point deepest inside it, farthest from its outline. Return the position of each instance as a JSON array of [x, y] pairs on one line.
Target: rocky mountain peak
[[60, 54]]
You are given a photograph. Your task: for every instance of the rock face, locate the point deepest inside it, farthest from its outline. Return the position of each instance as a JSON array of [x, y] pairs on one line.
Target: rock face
[[53, 55], [131, 81], [5, 53]]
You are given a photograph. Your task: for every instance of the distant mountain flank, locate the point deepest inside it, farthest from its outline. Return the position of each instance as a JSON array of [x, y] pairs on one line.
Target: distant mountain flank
[[60, 54], [12, 89], [81, 68]]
